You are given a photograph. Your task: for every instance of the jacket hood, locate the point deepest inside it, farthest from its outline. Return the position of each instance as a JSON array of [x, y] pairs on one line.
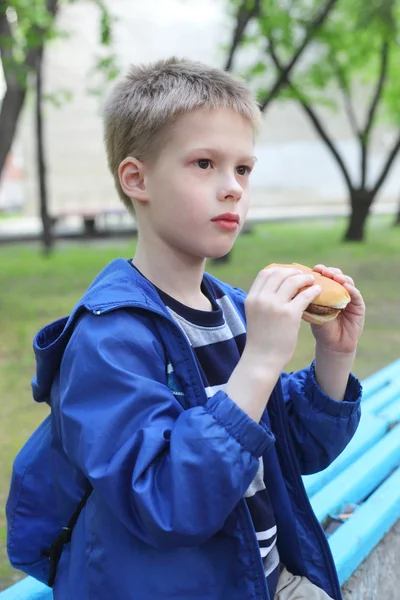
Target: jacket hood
[[116, 286]]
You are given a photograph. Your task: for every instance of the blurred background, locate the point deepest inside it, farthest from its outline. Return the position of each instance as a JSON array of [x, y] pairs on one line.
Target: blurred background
[[326, 187]]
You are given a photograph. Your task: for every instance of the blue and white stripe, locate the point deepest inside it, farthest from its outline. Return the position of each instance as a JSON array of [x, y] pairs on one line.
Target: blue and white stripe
[[218, 338]]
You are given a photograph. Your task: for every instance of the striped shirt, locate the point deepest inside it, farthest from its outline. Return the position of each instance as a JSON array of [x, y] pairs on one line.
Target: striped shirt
[[218, 338]]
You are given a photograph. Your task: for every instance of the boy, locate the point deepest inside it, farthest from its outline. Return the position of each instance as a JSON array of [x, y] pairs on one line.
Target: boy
[[168, 398]]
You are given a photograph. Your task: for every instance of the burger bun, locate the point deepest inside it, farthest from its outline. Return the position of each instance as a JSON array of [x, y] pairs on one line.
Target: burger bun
[[332, 299]]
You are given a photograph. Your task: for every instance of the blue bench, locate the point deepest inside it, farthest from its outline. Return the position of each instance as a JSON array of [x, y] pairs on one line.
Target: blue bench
[[360, 491], [357, 498]]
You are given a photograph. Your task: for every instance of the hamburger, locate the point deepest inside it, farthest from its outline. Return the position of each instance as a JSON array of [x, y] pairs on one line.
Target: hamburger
[[332, 299]]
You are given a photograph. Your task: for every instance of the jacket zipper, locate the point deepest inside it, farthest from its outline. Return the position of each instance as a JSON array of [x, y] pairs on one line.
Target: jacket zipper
[[306, 502]]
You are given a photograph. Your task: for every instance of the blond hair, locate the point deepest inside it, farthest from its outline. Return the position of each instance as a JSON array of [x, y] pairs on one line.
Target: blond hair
[[150, 97]]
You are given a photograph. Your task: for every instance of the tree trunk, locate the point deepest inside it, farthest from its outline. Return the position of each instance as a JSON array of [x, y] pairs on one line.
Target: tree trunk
[[16, 81], [396, 221], [11, 107], [361, 201], [14, 96], [47, 237]]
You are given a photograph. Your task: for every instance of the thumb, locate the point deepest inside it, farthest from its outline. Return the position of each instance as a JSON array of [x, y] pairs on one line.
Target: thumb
[[306, 297]]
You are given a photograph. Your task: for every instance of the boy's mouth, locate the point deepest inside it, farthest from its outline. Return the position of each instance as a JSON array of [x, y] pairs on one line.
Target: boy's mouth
[[230, 217], [228, 221]]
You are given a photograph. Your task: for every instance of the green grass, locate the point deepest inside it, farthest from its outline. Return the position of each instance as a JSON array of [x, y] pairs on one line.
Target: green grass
[[34, 291], [9, 214]]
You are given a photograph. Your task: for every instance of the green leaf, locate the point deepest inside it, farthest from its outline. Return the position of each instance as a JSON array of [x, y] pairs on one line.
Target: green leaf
[[345, 52], [58, 98], [258, 68], [33, 27]]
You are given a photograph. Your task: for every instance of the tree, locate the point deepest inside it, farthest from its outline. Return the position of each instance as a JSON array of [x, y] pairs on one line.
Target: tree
[[47, 236], [397, 218], [25, 30], [245, 12], [355, 50], [248, 11]]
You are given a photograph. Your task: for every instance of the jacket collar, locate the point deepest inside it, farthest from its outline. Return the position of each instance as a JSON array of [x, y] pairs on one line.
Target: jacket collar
[[119, 284]]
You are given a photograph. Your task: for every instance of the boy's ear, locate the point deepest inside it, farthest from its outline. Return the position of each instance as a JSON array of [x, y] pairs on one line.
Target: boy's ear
[[131, 177]]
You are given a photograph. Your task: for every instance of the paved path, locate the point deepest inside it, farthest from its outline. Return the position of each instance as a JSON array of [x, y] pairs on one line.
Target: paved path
[[28, 228]]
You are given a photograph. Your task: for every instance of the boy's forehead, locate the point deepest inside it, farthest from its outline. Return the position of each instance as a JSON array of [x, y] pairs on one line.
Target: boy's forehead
[[219, 118], [216, 129]]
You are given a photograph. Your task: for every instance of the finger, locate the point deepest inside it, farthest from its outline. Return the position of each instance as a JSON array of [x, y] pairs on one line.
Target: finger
[[306, 297], [341, 278], [327, 271], [286, 275], [333, 273], [272, 278], [291, 286], [319, 268], [260, 280], [355, 295]]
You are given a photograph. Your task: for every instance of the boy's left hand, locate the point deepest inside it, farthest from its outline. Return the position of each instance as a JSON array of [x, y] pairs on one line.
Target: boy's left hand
[[342, 334]]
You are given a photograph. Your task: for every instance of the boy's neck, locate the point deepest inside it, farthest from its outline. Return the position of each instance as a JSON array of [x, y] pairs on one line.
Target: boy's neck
[[173, 273]]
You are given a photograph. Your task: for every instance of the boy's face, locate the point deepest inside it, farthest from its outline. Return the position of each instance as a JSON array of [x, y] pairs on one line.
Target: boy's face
[[201, 173]]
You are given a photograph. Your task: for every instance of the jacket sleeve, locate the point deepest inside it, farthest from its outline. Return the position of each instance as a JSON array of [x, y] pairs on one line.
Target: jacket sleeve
[[172, 476], [320, 427]]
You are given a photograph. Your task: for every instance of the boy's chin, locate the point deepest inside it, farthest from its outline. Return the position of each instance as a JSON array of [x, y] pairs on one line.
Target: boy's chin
[[220, 250], [219, 255]]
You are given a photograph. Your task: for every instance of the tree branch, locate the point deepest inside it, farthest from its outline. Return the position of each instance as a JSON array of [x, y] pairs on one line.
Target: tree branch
[[3, 14], [284, 71], [314, 120], [10, 110], [5, 42], [347, 100], [372, 111], [243, 16], [379, 89], [385, 171]]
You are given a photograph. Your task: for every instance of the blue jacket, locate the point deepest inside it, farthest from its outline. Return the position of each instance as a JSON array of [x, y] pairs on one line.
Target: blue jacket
[[169, 468]]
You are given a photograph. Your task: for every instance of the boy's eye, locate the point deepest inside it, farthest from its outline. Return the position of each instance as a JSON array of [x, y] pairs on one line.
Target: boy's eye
[[203, 163], [243, 170]]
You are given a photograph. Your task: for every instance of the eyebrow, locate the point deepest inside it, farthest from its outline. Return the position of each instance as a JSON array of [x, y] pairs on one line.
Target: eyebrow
[[219, 153]]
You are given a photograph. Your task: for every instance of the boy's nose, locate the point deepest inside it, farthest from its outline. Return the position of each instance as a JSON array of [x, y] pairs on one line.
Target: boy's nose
[[230, 191]]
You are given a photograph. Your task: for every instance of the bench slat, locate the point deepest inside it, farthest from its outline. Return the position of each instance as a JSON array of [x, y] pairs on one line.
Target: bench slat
[[380, 379], [27, 588], [391, 414], [360, 478], [381, 399], [370, 430], [372, 426], [353, 541]]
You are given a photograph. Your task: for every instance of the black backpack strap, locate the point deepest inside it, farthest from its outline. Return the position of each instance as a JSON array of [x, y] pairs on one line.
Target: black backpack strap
[[56, 548]]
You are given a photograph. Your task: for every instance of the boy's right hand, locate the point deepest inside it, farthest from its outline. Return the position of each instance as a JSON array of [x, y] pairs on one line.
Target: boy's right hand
[[274, 308], [273, 312]]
